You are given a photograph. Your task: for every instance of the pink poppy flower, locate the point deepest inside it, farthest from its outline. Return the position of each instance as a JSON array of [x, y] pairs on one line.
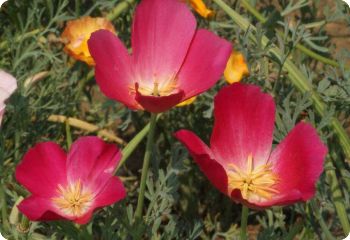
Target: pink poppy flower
[[240, 162], [69, 186], [171, 61], [8, 85]]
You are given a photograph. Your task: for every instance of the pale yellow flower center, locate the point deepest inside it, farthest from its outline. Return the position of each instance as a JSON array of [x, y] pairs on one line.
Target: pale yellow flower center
[[165, 88], [73, 200], [255, 183]]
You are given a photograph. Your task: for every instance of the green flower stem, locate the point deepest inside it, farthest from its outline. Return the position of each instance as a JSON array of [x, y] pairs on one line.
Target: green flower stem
[[299, 79], [131, 146], [244, 221], [317, 56], [145, 167], [337, 196], [253, 11], [299, 46]]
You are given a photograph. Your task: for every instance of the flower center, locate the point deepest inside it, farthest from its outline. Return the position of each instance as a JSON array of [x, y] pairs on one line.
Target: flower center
[[73, 200], [254, 183], [157, 89]]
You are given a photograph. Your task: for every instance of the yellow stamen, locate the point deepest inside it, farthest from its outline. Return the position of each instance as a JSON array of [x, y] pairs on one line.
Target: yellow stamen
[[164, 88], [73, 200], [255, 183], [155, 89]]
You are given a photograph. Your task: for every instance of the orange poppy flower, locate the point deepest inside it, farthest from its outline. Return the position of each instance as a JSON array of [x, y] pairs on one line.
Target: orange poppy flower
[[236, 68], [77, 33], [200, 7]]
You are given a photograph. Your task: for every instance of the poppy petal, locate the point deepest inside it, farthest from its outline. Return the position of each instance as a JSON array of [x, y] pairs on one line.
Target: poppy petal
[[113, 67], [298, 161], [112, 192], [160, 103], [204, 64], [39, 209], [281, 199], [162, 33], [90, 159], [44, 163], [85, 218], [244, 122], [203, 157]]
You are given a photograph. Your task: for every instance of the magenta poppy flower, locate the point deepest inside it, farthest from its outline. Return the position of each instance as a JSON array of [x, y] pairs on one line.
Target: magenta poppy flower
[[8, 85], [171, 61], [240, 162], [69, 186]]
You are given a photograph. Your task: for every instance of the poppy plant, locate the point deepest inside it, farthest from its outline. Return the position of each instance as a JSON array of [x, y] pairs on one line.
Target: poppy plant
[[8, 85], [170, 62], [69, 186], [77, 33], [239, 161]]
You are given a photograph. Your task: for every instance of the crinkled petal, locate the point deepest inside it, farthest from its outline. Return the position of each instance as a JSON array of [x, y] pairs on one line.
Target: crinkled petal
[[113, 69], [298, 162], [244, 122], [42, 168], [161, 35], [204, 63], [92, 161], [204, 158], [39, 209]]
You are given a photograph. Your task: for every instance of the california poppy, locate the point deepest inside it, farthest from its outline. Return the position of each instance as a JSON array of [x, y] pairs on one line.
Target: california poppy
[[239, 161], [171, 61], [69, 186]]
